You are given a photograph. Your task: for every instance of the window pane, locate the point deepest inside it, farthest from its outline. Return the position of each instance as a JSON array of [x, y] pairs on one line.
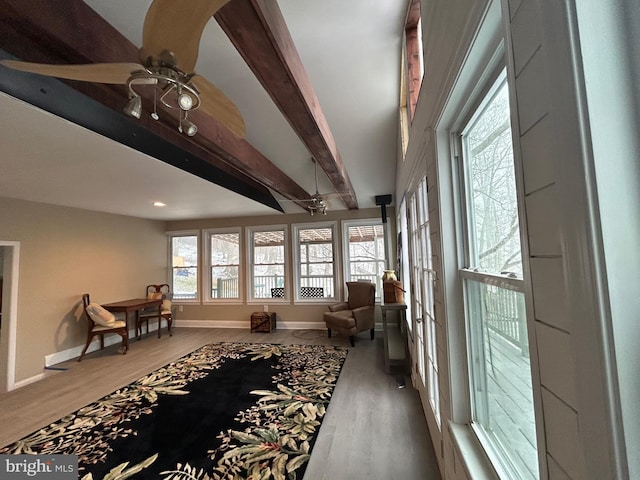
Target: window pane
[[224, 262], [184, 267], [225, 249], [493, 209], [185, 251], [266, 281], [269, 255], [321, 252], [501, 376], [316, 269], [268, 264], [366, 254], [224, 282]]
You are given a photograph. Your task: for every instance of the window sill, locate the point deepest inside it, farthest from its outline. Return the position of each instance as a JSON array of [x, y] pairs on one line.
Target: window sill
[[471, 454]]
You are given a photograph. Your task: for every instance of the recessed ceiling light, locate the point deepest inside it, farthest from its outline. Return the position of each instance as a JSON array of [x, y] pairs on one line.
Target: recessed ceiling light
[[159, 204]]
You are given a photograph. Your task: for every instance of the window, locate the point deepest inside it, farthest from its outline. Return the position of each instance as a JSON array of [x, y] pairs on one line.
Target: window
[[404, 273], [413, 52], [268, 253], [364, 252], [423, 277], [412, 70], [183, 248], [315, 276], [222, 281], [499, 364]]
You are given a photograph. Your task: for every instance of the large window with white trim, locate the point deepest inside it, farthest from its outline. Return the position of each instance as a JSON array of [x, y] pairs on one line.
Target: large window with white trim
[[364, 251], [222, 281], [314, 259], [268, 263], [499, 363], [183, 252]]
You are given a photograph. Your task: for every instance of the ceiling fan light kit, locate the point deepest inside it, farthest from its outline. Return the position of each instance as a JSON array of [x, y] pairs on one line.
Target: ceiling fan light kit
[[319, 206], [169, 50], [175, 92]]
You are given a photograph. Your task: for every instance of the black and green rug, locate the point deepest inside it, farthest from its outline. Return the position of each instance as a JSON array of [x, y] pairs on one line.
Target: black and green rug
[[225, 411]]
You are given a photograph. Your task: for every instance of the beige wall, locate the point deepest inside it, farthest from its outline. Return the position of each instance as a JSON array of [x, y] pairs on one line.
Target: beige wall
[[65, 252], [294, 315]]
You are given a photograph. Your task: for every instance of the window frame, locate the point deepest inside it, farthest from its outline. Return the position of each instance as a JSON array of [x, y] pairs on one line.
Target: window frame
[[250, 232], [170, 237], [297, 276], [206, 278], [346, 263], [471, 278], [412, 51]]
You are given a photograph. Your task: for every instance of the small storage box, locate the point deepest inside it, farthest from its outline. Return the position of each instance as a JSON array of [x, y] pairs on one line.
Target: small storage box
[[263, 321], [393, 292]]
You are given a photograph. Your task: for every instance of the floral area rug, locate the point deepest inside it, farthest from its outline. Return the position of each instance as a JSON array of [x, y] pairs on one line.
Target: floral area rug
[[225, 411]]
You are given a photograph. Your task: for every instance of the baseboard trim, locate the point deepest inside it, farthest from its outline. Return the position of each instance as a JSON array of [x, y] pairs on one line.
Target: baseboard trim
[[27, 381], [74, 352], [245, 325]]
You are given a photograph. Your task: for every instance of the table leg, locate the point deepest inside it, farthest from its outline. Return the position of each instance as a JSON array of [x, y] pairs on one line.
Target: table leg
[[385, 330], [138, 326]]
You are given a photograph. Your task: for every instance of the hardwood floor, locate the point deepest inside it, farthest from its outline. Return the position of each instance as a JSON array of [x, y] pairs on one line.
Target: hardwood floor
[[372, 429]]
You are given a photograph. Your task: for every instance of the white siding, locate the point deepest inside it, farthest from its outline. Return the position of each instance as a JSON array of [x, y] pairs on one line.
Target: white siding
[[569, 288]]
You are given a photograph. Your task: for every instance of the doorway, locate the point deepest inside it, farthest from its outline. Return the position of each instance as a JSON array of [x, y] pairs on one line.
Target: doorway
[[9, 262]]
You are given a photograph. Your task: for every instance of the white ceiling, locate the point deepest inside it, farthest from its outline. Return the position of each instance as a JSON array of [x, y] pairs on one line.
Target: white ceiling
[[351, 51]]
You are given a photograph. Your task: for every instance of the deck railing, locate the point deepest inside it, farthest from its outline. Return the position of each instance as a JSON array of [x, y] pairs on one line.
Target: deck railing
[[266, 285], [505, 315], [225, 288]]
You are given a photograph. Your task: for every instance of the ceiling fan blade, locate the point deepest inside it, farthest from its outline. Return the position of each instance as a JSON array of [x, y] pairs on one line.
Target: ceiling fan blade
[[177, 27], [218, 105], [116, 73], [333, 195]]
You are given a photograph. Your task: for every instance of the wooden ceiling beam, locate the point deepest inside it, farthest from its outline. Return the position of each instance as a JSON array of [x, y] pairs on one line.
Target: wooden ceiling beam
[[259, 32], [39, 31]]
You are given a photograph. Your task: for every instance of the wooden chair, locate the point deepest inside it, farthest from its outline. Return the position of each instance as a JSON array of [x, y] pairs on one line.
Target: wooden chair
[[101, 325], [156, 291]]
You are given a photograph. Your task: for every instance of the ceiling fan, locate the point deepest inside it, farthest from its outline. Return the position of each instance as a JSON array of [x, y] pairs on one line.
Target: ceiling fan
[[171, 38], [318, 201]]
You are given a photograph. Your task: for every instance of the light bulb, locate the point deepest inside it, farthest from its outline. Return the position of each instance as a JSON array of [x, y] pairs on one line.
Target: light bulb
[[189, 128], [133, 108], [185, 101]]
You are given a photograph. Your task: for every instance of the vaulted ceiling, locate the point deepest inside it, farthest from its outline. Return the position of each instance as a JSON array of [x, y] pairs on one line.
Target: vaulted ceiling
[[311, 79]]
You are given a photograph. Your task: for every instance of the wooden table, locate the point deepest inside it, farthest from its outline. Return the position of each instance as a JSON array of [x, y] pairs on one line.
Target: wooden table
[[135, 305], [395, 337]]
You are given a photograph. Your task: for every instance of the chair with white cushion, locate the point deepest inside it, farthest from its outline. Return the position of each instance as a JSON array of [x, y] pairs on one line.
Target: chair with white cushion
[[154, 292], [102, 322]]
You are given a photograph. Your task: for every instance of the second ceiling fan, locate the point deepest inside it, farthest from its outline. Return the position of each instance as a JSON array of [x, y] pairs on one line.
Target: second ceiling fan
[[318, 201]]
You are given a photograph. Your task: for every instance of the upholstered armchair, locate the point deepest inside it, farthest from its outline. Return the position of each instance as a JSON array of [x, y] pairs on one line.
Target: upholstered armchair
[[355, 315]]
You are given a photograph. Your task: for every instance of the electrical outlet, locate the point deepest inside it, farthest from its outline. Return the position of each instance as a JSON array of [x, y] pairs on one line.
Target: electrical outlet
[[266, 308], [181, 308]]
